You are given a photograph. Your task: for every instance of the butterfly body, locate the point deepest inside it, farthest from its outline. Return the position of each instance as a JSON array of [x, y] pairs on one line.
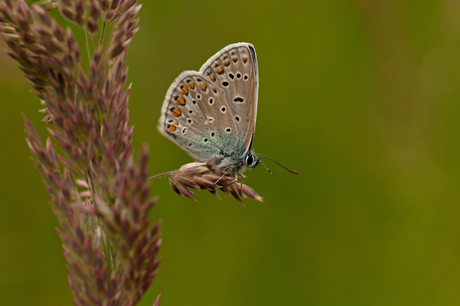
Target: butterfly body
[[211, 113]]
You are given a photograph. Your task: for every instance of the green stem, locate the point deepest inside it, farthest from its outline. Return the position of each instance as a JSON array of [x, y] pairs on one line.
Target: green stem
[[102, 32], [87, 46]]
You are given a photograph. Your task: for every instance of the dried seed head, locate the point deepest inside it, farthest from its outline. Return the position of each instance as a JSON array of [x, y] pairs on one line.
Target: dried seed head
[[48, 5], [98, 192], [93, 17], [69, 14], [67, 3], [200, 176], [104, 5]]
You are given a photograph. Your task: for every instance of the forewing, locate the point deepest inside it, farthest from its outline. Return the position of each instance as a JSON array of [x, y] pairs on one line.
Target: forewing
[[234, 70]]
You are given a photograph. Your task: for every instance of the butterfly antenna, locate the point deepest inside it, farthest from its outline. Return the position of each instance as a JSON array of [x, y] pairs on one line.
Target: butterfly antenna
[[292, 171]]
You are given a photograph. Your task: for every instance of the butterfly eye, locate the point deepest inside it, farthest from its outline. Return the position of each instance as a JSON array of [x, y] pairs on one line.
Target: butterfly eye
[[249, 160]]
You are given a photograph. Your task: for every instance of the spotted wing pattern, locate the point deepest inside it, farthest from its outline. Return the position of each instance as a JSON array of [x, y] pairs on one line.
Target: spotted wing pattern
[[212, 113]]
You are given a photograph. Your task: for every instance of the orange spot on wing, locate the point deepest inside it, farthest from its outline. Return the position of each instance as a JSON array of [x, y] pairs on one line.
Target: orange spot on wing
[[213, 78], [172, 135], [180, 101], [172, 128], [176, 112], [191, 85], [184, 91], [227, 62], [220, 70], [203, 86]]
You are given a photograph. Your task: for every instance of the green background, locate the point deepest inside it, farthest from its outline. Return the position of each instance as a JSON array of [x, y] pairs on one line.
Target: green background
[[362, 97]]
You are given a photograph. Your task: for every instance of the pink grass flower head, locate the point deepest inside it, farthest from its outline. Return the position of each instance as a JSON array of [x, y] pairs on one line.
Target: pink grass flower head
[[98, 190], [202, 176]]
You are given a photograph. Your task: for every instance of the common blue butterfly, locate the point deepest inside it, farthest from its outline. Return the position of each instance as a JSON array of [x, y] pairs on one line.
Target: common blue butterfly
[[211, 113]]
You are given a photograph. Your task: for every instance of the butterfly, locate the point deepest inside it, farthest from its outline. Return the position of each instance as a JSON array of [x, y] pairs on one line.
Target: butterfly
[[211, 113]]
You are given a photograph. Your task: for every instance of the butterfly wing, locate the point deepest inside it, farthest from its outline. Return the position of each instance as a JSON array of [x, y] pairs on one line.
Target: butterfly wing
[[235, 70], [210, 114], [196, 117]]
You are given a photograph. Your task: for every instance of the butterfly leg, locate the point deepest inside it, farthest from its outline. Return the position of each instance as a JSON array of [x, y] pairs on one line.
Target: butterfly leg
[[235, 180], [220, 178], [241, 184]]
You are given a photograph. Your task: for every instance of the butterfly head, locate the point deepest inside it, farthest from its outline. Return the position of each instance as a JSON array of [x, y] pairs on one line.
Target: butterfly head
[[233, 165]]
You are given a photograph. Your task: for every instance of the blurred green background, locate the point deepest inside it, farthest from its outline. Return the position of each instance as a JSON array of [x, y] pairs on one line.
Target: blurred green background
[[361, 97]]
